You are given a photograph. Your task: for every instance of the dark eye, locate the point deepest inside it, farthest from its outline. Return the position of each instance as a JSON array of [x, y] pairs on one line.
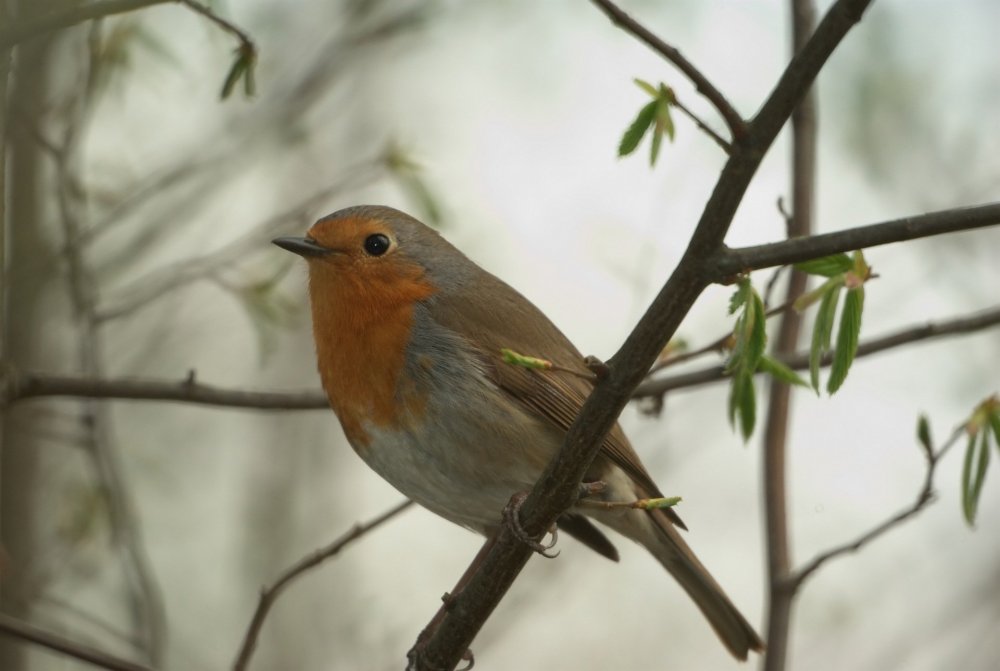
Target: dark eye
[[377, 244]]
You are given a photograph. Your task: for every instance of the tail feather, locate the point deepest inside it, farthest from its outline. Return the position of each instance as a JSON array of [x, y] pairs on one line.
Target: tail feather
[[666, 544]]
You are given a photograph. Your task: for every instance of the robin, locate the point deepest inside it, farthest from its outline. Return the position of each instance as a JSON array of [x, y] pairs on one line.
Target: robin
[[409, 334]]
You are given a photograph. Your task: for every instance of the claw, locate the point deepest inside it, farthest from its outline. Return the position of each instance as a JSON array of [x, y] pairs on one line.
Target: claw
[[512, 517], [588, 489]]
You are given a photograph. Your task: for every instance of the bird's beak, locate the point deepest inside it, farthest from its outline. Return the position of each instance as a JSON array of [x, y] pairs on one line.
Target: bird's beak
[[306, 247]]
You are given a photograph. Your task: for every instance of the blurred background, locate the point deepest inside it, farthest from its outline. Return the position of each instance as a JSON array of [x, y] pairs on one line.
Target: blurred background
[[139, 213]]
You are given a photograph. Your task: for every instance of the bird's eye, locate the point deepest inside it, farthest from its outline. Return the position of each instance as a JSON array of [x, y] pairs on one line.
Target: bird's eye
[[377, 244]]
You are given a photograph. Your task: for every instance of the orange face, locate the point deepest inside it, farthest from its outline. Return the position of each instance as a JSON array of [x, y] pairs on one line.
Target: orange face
[[363, 289]]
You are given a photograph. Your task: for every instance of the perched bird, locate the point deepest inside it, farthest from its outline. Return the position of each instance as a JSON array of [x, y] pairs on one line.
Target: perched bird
[[409, 334]]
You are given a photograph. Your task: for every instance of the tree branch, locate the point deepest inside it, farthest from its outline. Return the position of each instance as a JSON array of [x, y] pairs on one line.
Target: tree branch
[[800, 361], [743, 259], [557, 487], [20, 387], [270, 594], [737, 126], [924, 497], [799, 224], [26, 632], [27, 29]]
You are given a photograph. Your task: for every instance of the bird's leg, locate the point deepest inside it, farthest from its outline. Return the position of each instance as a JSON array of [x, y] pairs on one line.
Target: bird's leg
[[512, 518]]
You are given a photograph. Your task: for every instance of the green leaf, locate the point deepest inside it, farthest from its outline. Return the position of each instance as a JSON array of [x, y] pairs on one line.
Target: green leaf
[[995, 425], [847, 338], [757, 340], [822, 331], [654, 145], [632, 137], [513, 358], [740, 296], [235, 72], [827, 266], [780, 371], [646, 86], [972, 482], [664, 120], [658, 503], [924, 434], [748, 406]]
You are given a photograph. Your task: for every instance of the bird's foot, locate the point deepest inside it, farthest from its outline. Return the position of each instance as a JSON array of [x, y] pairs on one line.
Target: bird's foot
[[512, 518]]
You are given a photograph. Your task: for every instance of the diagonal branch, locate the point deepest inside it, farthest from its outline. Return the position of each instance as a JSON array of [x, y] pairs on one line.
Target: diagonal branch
[[26, 632], [270, 594], [737, 126], [557, 488]]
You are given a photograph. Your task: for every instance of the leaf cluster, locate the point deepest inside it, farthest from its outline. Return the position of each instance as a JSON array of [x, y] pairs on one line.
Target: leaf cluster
[[653, 115]]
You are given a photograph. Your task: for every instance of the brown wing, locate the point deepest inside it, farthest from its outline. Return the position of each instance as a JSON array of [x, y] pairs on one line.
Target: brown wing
[[511, 321]]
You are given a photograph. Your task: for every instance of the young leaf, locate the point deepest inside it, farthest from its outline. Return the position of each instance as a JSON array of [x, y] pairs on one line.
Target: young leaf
[[656, 140], [632, 137], [822, 330], [748, 405], [778, 370], [995, 425], [847, 338], [646, 86], [740, 296], [827, 266], [514, 359], [238, 69], [924, 434], [664, 121], [757, 340], [977, 452]]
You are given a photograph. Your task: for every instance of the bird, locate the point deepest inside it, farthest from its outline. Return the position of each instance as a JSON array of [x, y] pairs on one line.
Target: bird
[[409, 335]]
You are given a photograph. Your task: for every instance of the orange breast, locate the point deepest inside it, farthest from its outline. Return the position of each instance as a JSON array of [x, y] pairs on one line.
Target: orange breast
[[362, 323]]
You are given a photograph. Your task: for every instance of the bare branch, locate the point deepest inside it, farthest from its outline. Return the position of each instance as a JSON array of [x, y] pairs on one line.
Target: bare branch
[[21, 387], [924, 497], [270, 594], [800, 361], [743, 259], [737, 126], [26, 632], [774, 448], [705, 128]]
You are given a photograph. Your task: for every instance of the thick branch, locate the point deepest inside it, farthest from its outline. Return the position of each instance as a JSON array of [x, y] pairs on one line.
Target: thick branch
[[742, 259], [26, 632], [270, 594], [557, 489], [800, 361], [737, 125]]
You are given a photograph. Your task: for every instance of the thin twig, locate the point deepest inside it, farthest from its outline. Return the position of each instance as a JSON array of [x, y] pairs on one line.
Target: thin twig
[[245, 42], [270, 594], [800, 361], [26, 632], [737, 126], [705, 128], [924, 497]]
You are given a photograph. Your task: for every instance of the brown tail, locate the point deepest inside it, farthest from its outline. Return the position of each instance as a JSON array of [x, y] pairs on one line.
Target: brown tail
[[665, 543]]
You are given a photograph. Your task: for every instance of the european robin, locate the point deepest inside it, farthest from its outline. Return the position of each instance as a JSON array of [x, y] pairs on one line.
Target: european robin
[[409, 334]]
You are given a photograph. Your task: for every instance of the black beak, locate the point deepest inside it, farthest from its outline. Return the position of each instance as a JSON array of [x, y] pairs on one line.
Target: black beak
[[306, 247]]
